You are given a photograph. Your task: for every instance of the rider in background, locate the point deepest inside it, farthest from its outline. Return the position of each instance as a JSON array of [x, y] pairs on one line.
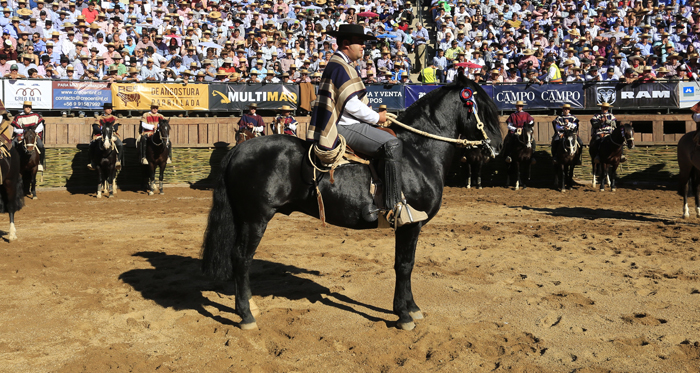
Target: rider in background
[[516, 122], [603, 125], [565, 121], [28, 119], [102, 121], [285, 122], [252, 121], [149, 124]]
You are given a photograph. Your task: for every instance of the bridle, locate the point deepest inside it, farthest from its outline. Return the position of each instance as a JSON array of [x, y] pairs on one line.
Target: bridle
[[106, 142], [569, 136], [30, 147], [163, 139], [529, 131], [624, 138]]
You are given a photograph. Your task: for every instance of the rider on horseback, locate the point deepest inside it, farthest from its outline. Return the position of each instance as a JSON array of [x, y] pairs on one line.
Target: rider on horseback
[[149, 124], [106, 119], [29, 119], [516, 122], [603, 125], [345, 112], [566, 121], [285, 122], [252, 121]]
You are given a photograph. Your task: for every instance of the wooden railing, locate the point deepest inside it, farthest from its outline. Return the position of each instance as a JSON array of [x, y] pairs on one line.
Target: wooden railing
[[210, 132]]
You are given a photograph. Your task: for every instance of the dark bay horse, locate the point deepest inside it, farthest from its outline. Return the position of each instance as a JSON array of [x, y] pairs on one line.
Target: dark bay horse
[[521, 156], [607, 155], [157, 151], [246, 197], [475, 158], [11, 190], [565, 155], [105, 157], [29, 160], [689, 171], [244, 135]]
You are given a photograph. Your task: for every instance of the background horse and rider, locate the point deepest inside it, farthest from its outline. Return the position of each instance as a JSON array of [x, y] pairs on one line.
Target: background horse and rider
[[566, 153], [245, 199], [606, 155], [157, 152], [105, 160], [521, 154], [30, 160]]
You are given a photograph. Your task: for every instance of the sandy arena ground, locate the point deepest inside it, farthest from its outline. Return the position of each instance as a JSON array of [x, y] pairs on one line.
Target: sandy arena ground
[[528, 281]]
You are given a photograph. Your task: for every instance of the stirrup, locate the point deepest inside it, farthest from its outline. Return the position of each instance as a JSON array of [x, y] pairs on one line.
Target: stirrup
[[90, 167], [508, 159], [117, 165], [403, 214], [169, 161], [144, 161], [623, 159], [40, 168]]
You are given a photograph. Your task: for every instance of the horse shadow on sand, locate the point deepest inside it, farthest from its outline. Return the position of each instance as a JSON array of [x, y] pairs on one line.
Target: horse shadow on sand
[[597, 213], [219, 152], [177, 281]]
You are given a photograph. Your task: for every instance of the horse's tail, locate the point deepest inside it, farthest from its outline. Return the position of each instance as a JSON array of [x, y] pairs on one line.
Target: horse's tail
[[220, 235]]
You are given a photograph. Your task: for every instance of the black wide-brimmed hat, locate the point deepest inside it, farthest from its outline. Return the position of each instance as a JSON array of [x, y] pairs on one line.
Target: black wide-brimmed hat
[[350, 31], [107, 105]]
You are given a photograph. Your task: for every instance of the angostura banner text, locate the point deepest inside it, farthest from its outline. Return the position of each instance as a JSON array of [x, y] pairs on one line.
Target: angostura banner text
[[167, 96]]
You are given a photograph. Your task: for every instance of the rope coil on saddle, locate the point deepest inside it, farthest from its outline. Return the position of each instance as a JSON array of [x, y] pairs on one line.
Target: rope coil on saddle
[[330, 159]]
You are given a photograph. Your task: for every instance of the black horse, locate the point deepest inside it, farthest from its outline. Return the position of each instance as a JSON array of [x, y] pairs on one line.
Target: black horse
[[689, 171], [607, 155], [157, 151], [566, 153], [105, 158], [11, 190], [475, 158], [521, 152], [265, 175], [30, 159]]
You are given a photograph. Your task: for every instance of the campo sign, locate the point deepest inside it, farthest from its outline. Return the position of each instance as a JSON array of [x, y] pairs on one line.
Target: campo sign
[[538, 96]]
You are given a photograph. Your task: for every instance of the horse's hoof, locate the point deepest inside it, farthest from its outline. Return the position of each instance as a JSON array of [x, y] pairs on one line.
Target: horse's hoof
[[12, 238], [480, 187], [517, 188], [469, 186], [35, 197], [99, 195], [416, 315], [601, 190], [686, 216], [613, 189], [110, 196], [249, 326], [161, 193], [406, 325], [563, 190], [150, 193], [697, 212]]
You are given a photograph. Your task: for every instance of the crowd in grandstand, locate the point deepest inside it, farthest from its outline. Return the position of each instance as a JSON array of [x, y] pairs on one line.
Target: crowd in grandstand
[[287, 40]]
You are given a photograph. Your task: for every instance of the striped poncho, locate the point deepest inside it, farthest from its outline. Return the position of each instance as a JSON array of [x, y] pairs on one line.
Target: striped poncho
[[339, 83]]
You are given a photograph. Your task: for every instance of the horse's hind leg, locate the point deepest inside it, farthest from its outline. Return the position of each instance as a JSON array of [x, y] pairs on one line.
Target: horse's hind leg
[[517, 175], [99, 183], [151, 178], [469, 175], [695, 180], [612, 176], [404, 305], [479, 167], [250, 236]]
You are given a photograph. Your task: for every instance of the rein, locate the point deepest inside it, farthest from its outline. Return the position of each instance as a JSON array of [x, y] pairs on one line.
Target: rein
[[32, 145], [624, 139]]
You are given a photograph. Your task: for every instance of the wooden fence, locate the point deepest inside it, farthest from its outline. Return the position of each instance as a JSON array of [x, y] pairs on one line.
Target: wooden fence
[[209, 132]]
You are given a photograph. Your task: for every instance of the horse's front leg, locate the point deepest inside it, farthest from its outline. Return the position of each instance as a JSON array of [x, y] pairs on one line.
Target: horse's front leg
[[33, 185], [405, 252], [100, 182], [479, 167], [250, 235], [469, 175], [613, 177], [562, 177], [151, 178], [517, 175], [603, 175], [160, 179], [12, 235]]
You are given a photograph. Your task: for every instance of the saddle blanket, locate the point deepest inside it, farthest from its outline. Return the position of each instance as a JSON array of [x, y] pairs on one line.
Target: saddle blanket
[[5, 136]]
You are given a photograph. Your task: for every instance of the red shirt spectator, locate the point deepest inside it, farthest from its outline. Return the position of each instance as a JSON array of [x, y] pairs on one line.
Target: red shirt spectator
[[90, 13]]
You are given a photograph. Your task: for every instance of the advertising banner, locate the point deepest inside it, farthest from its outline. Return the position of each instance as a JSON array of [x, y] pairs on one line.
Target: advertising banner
[[80, 95], [136, 96], [390, 95], [633, 96], [689, 94], [538, 96], [37, 91], [237, 97], [413, 92]]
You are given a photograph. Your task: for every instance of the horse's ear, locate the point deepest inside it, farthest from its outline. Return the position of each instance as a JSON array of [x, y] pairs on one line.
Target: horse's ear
[[462, 80]]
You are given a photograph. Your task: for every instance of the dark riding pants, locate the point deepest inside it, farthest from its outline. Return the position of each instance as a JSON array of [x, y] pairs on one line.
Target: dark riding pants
[[374, 142]]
